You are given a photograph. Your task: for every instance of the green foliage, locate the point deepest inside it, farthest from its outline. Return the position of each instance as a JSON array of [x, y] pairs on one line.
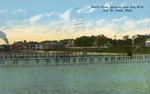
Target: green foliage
[[101, 40], [84, 41], [128, 42], [121, 43], [140, 40]]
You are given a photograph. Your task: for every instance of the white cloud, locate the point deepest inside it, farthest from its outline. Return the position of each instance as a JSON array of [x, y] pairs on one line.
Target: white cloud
[[126, 26], [12, 23], [9, 24], [66, 15], [91, 10], [3, 11], [120, 19], [101, 23], [34, 19], [137, 24], [41, 32], [86, 9], [19, 11], [79, 10]]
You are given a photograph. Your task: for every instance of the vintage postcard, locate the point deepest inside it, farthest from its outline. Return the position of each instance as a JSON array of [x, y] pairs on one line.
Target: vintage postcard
[[74, 46]]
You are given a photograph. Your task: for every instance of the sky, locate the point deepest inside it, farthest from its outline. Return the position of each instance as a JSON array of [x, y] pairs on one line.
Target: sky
[[38, 20]]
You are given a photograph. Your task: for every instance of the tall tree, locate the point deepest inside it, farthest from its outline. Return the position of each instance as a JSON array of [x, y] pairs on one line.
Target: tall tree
[[101, 40], [84, 41], [140, 40], [125, 37]]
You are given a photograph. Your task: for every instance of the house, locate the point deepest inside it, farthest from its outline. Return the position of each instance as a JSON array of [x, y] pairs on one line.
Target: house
[[106, 45], [147, 43], [51, 45], [70, 44], [33, 45], [17, 46]]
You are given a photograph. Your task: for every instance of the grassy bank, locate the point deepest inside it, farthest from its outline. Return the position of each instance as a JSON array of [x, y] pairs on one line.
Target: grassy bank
[[141, 50]]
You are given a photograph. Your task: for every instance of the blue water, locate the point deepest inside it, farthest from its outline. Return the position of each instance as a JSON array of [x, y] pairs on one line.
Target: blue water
[[129, 78]]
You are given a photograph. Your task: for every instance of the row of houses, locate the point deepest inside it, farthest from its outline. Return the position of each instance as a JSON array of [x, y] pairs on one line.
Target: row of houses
[[35, 45]]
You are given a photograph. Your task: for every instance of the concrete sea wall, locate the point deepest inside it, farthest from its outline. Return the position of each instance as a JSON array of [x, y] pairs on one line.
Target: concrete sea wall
[[58, 59]]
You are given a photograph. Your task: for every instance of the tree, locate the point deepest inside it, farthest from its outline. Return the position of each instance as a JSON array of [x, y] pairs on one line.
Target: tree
[[140, 40], [84, 41], [120, 42], [101, 40], [127, 42], [78, 42], [125, 37]]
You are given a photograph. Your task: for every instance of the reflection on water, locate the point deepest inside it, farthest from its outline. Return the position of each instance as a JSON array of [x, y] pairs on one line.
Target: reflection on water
[[130, 78]]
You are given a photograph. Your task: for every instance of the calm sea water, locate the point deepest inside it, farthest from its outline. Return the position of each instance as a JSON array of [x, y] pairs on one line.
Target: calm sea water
[[129, 78]]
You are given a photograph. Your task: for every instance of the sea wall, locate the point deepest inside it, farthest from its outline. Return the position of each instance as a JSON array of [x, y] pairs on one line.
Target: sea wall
[[62, 59]]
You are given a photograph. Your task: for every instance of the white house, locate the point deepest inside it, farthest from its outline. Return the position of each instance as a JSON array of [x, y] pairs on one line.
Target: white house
[[147, 43]]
